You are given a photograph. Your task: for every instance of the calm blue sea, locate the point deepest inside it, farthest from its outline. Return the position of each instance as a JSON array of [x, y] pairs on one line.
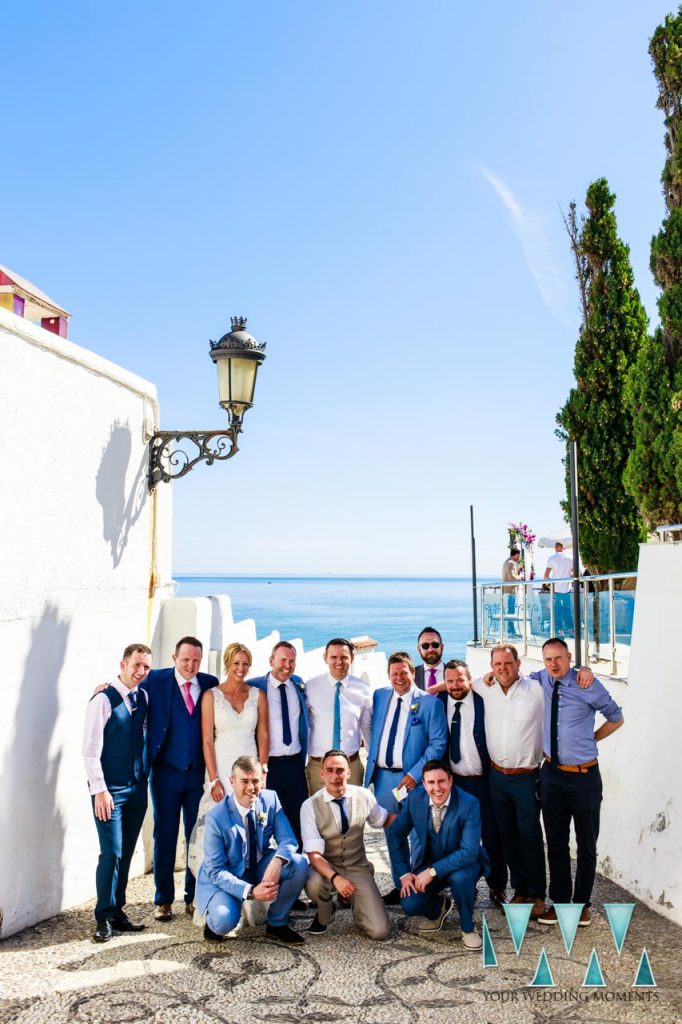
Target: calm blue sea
[[391, 610]]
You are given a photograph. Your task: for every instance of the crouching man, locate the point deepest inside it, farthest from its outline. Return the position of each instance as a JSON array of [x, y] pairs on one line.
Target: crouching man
[[332, 827], [449, 852], [250, 853]]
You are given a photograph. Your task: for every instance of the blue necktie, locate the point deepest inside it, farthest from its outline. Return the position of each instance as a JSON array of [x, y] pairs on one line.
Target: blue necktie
[[252, 850], [336, 736], [132, 697], [392, 734], [286, 723], [344, 817], [554, 725], [455, 733]]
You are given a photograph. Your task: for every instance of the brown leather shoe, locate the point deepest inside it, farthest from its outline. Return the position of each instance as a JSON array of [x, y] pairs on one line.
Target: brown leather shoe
[[189, 908], [538, 909], [164, 912]]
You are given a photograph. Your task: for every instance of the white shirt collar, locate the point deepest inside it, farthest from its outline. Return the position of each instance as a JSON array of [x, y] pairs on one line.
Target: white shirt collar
[[407, 698], [444, 806], [181, 682], [344, 681], [327, 796], [245, 810], [463, 700]]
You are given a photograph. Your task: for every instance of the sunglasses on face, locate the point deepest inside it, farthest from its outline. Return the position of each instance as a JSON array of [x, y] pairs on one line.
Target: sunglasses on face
[[435, 644]]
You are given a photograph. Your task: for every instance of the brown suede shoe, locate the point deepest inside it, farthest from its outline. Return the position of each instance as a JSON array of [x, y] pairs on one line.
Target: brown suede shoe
[[538, 909], [164, 912]]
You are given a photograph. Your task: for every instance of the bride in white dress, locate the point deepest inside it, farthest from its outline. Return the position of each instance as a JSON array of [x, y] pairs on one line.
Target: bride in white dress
[[234, 722]]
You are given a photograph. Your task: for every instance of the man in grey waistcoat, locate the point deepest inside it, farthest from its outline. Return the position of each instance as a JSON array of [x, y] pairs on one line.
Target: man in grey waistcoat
[[333, 826]]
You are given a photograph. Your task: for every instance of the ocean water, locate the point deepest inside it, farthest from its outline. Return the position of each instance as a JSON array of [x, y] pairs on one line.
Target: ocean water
[[391, 610]]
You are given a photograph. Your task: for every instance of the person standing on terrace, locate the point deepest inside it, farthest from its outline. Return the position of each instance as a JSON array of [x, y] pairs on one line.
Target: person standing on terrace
[[429, 675], [511, 573], [560, 566], [340, 713]]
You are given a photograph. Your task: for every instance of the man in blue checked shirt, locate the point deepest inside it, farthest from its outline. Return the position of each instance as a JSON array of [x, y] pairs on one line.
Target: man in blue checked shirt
[[570, 783]]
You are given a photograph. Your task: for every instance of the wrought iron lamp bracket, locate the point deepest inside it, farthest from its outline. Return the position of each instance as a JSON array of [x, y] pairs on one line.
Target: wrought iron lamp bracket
[[169, 462]]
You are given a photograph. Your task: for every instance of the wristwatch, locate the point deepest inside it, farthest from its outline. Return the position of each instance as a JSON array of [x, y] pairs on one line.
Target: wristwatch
[[433, 872]]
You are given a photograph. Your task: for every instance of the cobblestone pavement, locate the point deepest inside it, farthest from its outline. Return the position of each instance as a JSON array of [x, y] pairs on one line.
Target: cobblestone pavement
[[54, 973]]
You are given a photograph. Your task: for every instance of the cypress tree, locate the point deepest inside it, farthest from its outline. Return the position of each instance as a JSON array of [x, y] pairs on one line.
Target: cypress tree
[[613, 328], [654, 388]]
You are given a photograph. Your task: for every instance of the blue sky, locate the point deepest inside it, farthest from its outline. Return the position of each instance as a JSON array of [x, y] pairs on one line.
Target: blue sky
[[377, 186]]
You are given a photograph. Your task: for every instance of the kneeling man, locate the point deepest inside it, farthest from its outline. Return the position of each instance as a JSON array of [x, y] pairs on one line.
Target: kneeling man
[[249, 854], [448, 823], [332, 827]]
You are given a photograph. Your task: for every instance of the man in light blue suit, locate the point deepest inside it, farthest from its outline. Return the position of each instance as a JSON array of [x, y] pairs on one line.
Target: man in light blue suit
[[448, 822], [408, 729], [288, 713], [249, 854]]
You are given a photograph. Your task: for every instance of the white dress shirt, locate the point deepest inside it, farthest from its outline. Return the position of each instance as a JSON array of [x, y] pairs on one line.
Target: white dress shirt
[[407, 699], [356, 713], [561, 565], [278, 748], [365, 807], [97, 714], [513, 723], [194, 688], [469, 762]]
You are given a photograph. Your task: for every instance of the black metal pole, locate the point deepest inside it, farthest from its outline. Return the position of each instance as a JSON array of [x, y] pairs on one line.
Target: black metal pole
[[573, 473], [473, 573]]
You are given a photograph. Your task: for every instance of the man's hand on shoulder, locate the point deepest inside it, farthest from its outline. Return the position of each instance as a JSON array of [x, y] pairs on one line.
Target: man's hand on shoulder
[[585, 678], [99, 689], [408, 782], [488, 678], [104, 805]]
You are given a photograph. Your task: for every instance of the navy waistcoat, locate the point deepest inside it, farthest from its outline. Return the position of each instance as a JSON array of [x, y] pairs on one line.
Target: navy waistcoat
[[123, 757], [182, 745]]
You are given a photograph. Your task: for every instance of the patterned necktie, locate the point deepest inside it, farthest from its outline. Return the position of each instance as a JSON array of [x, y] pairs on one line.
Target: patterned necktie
[[344, 816], [336, 735], [554, 725], [455, 731], [392, 734], [188, 696], [132, 697], [252, 848], [286, 723], [437, 817], [432, 678]]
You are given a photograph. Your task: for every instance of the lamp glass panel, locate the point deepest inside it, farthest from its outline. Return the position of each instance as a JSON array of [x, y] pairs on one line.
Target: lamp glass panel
[[243, 380]]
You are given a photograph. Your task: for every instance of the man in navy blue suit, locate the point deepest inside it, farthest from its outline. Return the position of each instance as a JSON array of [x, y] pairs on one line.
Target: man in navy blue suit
[[177, 763], [448, 822], [288, 714]]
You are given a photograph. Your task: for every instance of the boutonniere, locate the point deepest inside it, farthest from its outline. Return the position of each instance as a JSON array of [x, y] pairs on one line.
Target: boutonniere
[[262, 817], [414, 708]]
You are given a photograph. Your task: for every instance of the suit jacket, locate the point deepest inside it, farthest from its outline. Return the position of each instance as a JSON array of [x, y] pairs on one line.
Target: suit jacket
[[225, 846], [426, 732], [261, 683], [460, 834], [159, 686]]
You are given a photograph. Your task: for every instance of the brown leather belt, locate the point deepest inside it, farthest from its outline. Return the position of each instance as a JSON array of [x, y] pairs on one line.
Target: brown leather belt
[[585, 766], [351, 757], [513, 771]]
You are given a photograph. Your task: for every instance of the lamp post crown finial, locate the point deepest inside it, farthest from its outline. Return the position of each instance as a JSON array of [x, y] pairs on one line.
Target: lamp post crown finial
[[238, 323]]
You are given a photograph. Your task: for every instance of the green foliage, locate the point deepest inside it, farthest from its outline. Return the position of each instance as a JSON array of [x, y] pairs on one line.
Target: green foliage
[[654, 388], [614, 328]]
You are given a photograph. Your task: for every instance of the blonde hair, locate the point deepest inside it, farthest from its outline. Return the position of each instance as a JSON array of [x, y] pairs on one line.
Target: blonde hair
[[231, 652]]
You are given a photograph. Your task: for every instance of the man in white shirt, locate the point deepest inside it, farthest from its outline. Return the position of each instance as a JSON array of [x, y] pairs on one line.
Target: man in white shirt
[[514, 707], [510, 573], [333, 825], [560, 566], [429, 675], [340, 713], [114, 751]]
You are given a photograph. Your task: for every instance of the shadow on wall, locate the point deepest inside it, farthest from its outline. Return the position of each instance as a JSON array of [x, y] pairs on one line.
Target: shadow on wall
[[120, 512], [31, 826]]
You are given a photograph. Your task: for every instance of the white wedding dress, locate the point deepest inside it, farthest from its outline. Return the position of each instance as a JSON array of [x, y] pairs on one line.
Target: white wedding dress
[[234, 736]]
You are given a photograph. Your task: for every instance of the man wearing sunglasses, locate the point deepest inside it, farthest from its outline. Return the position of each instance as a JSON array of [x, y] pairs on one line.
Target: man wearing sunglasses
[[429, 676]]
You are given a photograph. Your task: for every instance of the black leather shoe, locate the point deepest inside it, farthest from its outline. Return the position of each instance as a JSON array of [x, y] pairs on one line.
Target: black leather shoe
[[211, 936], [392, 898], [284, 934], [103, 931], [316, 926], [497, 896], [300, 907], [122, 923]]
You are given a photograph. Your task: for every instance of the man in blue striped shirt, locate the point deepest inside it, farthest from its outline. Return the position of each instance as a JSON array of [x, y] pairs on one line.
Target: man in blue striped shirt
[[570, 783]]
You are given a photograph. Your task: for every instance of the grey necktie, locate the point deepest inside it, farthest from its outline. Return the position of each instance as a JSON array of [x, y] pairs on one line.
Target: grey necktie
[[437, 817]]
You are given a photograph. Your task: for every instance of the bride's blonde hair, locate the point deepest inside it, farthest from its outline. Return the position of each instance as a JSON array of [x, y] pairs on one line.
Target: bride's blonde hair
[[231, 652]]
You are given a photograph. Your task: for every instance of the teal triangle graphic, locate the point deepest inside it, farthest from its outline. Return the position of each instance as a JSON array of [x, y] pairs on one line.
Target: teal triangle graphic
[[645, 976], [543, 973], [593, 975], [489, 957], [518, 916], [619, 916], [568, 915]]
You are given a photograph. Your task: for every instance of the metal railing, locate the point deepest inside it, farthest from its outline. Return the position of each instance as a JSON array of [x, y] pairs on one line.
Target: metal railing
[[527, 613]]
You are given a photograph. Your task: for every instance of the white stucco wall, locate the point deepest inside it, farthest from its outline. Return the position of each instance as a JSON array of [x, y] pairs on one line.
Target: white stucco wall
[[640, 840], [83, 547]]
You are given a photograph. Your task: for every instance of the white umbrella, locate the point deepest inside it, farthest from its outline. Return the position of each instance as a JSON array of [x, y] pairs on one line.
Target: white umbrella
[[562, 536]]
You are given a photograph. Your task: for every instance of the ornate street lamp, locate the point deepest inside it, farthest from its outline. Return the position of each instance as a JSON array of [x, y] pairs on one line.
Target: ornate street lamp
[[237, 357]]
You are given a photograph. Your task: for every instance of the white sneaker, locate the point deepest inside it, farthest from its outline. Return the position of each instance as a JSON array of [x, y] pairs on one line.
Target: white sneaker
[[472, 940]]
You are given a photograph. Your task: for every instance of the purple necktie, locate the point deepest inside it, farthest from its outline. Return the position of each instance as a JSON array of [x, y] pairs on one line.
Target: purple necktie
[[432, 677]]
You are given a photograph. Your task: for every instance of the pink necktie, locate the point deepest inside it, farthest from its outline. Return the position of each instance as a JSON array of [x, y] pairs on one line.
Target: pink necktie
[[432, 677], [188, 697]]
